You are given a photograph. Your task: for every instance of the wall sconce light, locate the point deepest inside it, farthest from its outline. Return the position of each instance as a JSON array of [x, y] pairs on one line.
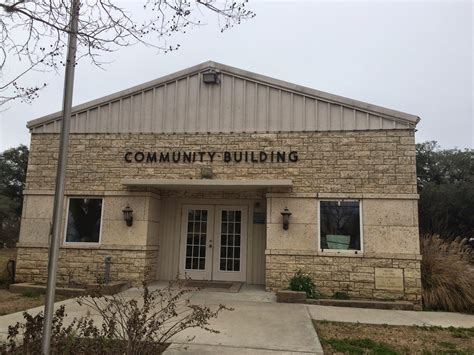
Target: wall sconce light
[[206, 172], [210, 77], [286, 218], [128, 215]]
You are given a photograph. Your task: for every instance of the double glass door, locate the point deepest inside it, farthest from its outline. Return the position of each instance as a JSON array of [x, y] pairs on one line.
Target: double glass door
[[214, 242]]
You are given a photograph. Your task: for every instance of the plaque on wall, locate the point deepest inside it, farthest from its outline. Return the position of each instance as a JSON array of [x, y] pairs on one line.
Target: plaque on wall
[[259, 217], [389, 279]]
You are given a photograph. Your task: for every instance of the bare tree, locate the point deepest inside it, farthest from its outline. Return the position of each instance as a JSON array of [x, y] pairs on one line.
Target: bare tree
[[33, 33]]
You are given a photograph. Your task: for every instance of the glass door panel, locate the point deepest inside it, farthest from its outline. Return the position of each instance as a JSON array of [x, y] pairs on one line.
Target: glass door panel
[[231, 243], [196, 250]]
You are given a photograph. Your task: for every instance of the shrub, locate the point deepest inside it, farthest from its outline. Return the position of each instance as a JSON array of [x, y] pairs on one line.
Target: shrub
[[303, 282], [447, 275], [126, 325]]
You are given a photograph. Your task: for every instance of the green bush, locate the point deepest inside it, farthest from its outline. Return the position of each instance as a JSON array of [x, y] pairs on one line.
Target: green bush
[[303, 282]]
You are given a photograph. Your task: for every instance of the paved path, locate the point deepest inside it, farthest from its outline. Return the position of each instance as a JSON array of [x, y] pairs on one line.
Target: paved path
[[382, 316], [260, 326]]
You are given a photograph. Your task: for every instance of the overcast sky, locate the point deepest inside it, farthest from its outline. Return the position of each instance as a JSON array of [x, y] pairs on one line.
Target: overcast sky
[[415, 57]]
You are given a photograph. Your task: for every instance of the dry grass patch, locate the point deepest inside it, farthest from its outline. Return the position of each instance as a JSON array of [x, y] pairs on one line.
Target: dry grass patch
[[357, 338], [447, 274], [13, 302]]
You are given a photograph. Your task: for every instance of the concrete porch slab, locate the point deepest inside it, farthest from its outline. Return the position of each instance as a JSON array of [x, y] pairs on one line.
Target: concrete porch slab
[[258, 325]]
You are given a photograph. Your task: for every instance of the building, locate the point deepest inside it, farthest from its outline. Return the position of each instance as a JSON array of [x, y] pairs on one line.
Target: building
[[209, 162]]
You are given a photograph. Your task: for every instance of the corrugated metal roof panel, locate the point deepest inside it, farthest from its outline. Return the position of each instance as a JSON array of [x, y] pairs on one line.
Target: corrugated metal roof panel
[[241, 102]]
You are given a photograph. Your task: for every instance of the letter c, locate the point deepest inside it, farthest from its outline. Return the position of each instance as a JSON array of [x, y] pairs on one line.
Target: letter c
[[127, 157]]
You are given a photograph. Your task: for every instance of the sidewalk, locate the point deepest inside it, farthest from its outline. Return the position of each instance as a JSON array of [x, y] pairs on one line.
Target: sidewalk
[[259, 325], [390, 317]]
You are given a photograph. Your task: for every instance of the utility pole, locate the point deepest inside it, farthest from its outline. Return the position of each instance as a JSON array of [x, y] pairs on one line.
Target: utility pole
[[60, 178]]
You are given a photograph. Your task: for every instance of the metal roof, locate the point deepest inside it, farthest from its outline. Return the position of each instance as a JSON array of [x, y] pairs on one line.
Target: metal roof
[[242, 102]]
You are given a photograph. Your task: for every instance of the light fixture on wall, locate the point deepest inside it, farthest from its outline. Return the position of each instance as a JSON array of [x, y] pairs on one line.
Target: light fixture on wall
[[128, 215], [210, 77], [206, 172], [286, 218]]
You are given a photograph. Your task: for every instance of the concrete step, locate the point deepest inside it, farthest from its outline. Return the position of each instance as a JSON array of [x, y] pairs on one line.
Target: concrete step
[[374, 304]]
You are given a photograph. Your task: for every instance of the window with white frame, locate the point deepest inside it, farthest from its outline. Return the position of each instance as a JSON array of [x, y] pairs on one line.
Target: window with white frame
[[340, 225], [84, 220]]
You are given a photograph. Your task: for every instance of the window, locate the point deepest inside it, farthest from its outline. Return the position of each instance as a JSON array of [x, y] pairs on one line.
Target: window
[[340, 225], [83, 220]]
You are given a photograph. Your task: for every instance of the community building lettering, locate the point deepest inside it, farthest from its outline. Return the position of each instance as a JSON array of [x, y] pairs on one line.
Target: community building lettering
[[227, 157]]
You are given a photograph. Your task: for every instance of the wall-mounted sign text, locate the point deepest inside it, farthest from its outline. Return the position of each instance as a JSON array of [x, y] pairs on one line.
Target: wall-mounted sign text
[[226, 157]]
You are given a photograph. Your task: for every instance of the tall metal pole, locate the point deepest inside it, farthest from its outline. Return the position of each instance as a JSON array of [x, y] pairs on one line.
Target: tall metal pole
[[60, 178]]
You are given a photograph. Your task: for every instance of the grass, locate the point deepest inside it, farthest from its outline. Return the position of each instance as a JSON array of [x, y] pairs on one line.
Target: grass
[[14, 302], [446, 274], [359, 346], [34, 295], [357, 338]]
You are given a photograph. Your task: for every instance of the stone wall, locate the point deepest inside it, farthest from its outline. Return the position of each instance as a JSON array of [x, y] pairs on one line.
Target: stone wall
[[351, 274], [83, 265], [357, 162], [376, 167]]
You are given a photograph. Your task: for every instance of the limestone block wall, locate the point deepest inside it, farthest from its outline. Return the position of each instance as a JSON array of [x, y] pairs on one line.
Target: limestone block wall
[[357, 162], [389, 223], [354, 275], [377, 167], [390, 244], [134, 250], [84, 265]]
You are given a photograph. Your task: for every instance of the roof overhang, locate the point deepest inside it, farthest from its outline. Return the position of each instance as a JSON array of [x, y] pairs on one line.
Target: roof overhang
[[207, 184]]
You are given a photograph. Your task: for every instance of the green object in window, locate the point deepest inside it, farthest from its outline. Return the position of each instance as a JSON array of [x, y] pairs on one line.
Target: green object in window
[[338, 241]]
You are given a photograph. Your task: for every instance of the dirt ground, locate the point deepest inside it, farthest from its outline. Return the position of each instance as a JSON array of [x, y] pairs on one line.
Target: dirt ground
[[12, 302], [5, 255], [356, 338]]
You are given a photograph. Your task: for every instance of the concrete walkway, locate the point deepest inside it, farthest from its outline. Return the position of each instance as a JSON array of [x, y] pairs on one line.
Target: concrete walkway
[[258, 325], [390, 317]]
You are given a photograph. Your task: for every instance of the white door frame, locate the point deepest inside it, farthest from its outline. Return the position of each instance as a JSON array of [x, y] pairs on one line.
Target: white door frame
[[240, 275], [205, 274], [213, 240]]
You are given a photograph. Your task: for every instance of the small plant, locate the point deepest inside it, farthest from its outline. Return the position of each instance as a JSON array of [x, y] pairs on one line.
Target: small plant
[[359, 346], [340, 295], [127, 325], [30, 294], [303, 282], [446, 274]]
